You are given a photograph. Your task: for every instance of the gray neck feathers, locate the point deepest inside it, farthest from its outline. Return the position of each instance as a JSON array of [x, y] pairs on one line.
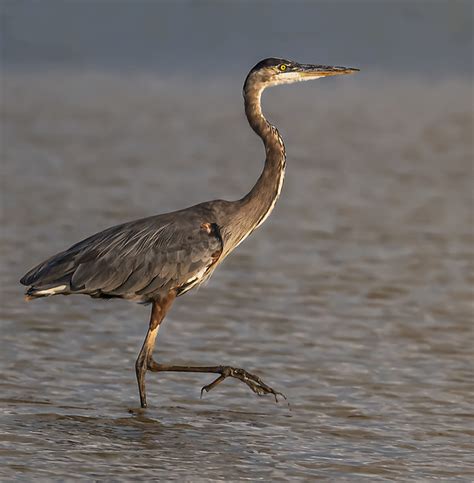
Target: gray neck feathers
[[268, 185], [257, 205]]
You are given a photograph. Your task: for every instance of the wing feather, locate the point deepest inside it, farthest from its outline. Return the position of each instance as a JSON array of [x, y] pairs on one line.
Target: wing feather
[[134, 259]]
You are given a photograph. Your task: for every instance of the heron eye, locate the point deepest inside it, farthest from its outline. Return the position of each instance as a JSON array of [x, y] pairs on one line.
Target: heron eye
[[282, 67]]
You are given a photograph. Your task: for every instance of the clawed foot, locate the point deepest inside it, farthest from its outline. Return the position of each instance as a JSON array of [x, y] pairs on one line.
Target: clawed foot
[[253, 382]]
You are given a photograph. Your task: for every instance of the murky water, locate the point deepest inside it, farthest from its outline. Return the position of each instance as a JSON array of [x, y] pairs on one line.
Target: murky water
[[355, 298]]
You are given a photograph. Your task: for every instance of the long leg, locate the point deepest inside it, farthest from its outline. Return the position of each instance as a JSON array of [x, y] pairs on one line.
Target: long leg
[[158, 312], [145, 360], [252, 381]]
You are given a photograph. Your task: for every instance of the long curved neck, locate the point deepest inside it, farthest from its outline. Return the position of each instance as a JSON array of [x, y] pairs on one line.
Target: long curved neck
[[260, 201], [252, 210]]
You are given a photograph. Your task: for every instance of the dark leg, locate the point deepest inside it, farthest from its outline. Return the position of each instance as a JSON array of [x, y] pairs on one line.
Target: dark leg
[[145, 360], [252, 381], [158, 312]]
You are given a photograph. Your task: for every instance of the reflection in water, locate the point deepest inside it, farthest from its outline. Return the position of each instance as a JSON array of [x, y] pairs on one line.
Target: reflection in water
[[354, 298]]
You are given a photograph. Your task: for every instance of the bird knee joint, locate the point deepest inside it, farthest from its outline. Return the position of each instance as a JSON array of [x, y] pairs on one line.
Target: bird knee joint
[[227, 371]]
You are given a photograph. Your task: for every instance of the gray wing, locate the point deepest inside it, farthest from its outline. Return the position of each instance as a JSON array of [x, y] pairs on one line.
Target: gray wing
[[136, 260]]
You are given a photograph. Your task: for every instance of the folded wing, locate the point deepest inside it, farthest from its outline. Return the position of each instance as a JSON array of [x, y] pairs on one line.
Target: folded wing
[[137, 260]]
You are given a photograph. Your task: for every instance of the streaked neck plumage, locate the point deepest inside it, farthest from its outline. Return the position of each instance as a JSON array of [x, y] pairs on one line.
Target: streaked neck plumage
[[256, 206], [262, 197]]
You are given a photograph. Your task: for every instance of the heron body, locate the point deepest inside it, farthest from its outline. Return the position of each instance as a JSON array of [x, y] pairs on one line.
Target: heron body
[[158, 258]]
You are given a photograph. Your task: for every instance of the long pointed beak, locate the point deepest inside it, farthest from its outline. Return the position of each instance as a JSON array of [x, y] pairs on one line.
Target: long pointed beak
[[316, 71]]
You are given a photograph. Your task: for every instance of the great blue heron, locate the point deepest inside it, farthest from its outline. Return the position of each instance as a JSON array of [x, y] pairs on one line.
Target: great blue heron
[[156, 259]]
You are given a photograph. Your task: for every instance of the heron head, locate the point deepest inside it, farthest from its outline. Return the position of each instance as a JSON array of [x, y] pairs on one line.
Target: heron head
[[272, 72]]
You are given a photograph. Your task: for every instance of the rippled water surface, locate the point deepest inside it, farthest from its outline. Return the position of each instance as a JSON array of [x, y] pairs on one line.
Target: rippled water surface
[[355, 298]]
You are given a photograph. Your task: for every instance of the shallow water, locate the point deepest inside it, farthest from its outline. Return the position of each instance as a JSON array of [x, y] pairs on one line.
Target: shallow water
[[355, 298]]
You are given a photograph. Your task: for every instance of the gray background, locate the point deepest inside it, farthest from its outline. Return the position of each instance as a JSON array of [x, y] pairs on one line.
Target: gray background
[[354, 298], [430, 37]]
